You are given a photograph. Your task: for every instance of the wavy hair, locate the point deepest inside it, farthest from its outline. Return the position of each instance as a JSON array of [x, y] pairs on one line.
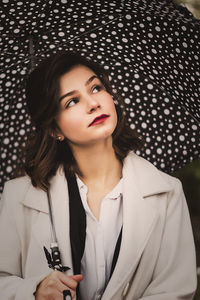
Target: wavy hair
[[44, 153]]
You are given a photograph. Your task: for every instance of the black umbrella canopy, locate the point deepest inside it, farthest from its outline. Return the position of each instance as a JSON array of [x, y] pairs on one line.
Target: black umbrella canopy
[[151, 49]]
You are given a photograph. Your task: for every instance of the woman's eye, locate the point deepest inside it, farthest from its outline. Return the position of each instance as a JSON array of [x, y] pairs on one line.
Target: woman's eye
[[97, 88], [71, 102]]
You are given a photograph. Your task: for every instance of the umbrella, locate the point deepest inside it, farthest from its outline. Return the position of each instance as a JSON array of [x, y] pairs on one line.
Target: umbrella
[[151, 49]]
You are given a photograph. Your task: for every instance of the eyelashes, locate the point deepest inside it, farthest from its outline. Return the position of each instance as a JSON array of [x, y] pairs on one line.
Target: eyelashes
[[73, 101], [99, 87]]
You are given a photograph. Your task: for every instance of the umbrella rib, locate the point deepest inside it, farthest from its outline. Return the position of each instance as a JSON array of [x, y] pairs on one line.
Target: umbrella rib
[[76, 37], [195, 119], [85, 33], [71, 24], [97, 27]]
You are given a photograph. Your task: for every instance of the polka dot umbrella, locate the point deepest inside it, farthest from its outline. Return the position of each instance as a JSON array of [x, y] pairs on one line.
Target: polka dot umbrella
[[151, 49]]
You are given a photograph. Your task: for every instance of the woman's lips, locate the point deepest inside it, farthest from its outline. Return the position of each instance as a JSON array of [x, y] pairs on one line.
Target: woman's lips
[[99, 120]]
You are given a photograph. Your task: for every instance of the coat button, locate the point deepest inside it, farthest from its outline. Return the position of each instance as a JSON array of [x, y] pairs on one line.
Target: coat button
[[125, 290]]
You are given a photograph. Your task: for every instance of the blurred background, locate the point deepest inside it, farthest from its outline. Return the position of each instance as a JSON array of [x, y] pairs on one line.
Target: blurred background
[[192, 5], [190, 178], [190, 175]]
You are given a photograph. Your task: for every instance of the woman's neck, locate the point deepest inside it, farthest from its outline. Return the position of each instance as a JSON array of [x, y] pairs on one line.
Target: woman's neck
[[98, 163]]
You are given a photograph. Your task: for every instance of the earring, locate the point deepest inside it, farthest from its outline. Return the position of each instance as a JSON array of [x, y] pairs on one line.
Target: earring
[[59, 138]]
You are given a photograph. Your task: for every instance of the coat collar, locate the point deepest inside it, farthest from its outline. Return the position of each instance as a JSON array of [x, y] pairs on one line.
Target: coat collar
[[148, 179], [140, 171]]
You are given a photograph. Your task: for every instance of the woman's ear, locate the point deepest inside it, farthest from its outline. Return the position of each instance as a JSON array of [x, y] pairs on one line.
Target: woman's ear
[[60, 138], [57, 135]]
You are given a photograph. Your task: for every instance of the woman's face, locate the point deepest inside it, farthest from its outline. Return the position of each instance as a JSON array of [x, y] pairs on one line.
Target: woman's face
[[87, 111]]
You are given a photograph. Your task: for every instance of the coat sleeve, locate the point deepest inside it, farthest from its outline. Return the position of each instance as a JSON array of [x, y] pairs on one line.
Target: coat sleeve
[[12, 284], [175, 276]]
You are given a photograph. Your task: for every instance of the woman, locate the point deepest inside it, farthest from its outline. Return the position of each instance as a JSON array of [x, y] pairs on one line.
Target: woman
[[122, 226]]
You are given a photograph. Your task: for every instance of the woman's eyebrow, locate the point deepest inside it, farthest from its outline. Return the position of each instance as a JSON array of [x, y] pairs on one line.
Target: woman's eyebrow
[[73, 92], [90, 79]]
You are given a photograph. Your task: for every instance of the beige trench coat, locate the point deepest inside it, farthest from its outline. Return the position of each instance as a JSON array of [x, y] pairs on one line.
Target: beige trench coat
[[157, 256]]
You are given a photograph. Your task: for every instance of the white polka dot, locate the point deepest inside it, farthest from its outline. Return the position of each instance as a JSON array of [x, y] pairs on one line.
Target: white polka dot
[[127, 101], [120, 25], [144, 125], [181, 138], [3, 155], [6, 141], [93, 35], [128, 17], [169, 138], [194, 127], [22, 132], [9, 169], [157, 28], [16, 30], [19, 105], [136, 76], [166, 111], [61, 34], [148, 151], [150, 35], [150, 86], [159, 151], [8, 83], [137, 87]]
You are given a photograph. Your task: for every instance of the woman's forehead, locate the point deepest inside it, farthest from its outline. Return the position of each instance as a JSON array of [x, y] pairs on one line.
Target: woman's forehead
[[83, 69], [78, 74], [75, 79]]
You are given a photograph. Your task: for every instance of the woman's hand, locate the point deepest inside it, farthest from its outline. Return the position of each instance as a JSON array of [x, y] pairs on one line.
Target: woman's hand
[[52, 287]]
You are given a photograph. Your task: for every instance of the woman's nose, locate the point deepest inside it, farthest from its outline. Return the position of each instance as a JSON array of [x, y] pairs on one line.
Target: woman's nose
[[93, 104]]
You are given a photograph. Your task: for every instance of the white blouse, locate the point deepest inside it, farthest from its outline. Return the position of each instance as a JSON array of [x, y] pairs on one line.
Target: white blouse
[[101, 239]]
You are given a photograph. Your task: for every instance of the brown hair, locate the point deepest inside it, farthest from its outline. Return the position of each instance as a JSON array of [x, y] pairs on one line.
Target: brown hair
[[44, 154]]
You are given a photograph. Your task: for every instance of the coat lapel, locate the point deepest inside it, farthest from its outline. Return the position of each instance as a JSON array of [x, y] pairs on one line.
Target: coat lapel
[[139, 217], [60, 208], [37, 199]]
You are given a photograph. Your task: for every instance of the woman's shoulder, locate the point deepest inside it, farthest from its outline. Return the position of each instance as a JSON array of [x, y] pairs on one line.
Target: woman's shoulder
[[16, 188], [149, 172], [19, 181]]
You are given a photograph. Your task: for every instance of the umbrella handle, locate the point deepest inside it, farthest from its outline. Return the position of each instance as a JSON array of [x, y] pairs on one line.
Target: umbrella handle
[[67, 295]]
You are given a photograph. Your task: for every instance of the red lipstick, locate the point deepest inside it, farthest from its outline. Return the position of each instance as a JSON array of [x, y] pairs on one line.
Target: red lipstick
[[99, 120]]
